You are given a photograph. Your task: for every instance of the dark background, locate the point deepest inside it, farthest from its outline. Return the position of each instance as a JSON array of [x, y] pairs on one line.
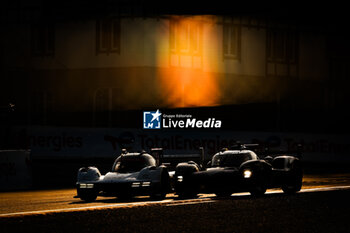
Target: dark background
[[325, 18]]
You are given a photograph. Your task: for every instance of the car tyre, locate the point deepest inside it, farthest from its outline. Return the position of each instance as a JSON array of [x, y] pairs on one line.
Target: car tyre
[[87, 195], [259, 187], [292, 188], [258, 191], [188, 189], [295, 182], [162, 188]]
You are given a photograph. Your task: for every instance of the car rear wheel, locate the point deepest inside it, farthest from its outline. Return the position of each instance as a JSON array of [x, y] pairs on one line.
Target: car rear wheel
[[292, 188], [294, 182]]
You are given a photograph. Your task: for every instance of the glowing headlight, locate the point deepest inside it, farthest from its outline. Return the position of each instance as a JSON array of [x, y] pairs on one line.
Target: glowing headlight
[[247, 173], [86, 186], [180, 178]]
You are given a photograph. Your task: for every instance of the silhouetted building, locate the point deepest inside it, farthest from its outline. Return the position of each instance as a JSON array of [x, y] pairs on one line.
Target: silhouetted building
[[88, 64]]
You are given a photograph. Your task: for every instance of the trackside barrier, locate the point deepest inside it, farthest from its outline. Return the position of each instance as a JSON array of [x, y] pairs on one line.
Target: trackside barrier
[[15, 170]]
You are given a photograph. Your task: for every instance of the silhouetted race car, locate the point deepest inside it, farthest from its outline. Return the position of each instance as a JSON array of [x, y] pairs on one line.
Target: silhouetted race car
[[239, 170], [132, 174]]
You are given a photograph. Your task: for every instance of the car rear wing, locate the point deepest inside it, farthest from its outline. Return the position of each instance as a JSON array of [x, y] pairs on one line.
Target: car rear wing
[[263, 151], [243, 146], [171, 160], [274, 152]]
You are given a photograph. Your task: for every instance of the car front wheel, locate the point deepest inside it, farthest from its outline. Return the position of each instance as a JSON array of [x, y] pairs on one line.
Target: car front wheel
[[161, 189], [259, 187], [258, 191], [87, 195]]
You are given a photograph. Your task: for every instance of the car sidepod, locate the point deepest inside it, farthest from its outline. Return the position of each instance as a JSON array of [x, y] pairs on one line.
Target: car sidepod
[[150, 181]]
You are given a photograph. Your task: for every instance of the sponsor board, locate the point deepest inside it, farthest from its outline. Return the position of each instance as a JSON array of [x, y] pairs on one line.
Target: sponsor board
[[15, 169], [108, 142]]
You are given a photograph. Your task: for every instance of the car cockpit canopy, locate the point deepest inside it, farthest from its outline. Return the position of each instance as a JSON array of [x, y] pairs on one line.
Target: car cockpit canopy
[[133, 162], [232, 158]]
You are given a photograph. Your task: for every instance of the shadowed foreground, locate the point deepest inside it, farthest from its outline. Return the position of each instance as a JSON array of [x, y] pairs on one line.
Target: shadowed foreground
[[303, 212]]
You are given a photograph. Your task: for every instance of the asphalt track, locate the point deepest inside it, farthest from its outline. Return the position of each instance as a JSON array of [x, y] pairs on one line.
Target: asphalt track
[[55, 201]]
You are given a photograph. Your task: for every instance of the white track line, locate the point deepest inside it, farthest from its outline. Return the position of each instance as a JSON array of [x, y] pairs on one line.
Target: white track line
[[191, 202], [168, 202], [83, 208]]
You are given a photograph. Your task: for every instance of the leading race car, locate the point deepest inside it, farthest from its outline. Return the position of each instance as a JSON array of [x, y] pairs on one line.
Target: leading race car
[[132, 174], [239, 170]]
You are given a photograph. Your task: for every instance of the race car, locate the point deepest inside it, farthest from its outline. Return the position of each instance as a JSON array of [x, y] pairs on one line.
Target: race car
[[132, 174], [239, 170]]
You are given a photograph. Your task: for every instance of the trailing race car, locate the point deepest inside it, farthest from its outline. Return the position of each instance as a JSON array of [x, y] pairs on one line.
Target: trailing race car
[[132, 174], [239, 170]]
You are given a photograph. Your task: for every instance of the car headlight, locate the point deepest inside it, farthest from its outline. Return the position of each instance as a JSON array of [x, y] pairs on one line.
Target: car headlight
[[146, 184], [136, 184], [247, 174], [86, 186], [141, 184]]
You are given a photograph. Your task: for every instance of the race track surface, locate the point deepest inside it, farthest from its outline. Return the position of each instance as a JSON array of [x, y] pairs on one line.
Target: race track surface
[[46, 201], [321, 206]]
